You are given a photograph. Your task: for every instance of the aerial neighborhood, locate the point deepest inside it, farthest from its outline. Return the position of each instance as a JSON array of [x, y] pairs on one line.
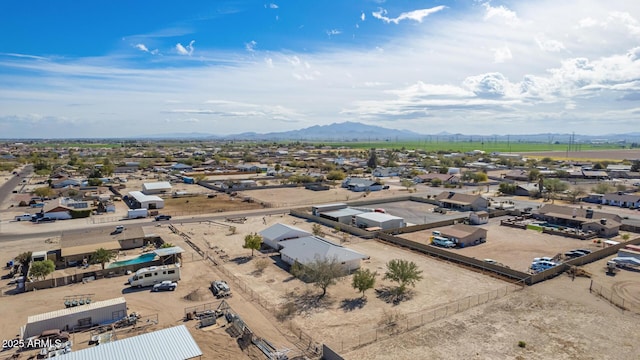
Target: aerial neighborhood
[[292, 250]]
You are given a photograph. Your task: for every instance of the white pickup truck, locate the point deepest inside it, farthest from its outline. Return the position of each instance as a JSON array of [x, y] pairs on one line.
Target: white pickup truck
[[24, 217]]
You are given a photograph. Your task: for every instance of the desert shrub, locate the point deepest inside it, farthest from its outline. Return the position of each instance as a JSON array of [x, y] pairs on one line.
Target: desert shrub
[[260, 265], [287, 310], [522, 344]]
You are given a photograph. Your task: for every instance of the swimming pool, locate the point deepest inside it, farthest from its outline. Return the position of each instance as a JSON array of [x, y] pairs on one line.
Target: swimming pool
[[138, 260]]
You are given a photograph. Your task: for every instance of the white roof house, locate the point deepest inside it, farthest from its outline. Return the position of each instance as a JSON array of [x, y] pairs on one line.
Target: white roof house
[[307, 249], [156, 187], [174, 343], [275, 233]]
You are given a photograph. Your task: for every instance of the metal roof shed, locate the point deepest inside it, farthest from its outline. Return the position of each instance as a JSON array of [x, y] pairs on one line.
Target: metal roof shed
[[98, 312], [174, 343]]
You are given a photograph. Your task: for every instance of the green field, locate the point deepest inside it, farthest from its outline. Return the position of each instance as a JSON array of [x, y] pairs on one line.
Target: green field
[[463, 146]]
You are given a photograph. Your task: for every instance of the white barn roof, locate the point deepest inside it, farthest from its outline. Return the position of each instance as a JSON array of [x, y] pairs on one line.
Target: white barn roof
[[158, 185], [174, 343], [306, 249], [277, 232], [142, 198], [379, 217]]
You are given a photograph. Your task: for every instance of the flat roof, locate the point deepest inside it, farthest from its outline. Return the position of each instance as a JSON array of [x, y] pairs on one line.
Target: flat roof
[[158, 185], [169, 251], [76, 309], [342, 212], [174, 343], [72, 243], [376, 216]]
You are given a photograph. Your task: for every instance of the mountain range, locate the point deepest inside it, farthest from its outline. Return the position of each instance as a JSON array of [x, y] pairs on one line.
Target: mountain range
[[358, 132]]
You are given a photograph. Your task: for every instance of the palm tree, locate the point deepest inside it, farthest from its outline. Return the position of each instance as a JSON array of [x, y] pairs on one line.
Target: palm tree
[[102, 256]]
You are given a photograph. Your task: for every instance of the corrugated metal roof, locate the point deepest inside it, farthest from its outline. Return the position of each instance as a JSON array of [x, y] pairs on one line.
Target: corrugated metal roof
[[159, 185], [75, 309], [342, 212], [174, 343], [307, 249], [140, 197], [279, 231]]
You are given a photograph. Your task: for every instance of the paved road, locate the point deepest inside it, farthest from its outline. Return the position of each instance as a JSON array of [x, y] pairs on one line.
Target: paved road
[[7, 188], [4, 237]]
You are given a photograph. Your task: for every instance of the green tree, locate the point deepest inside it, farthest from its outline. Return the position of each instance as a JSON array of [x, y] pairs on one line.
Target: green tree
[[363, 280], [166, 245], [199, 177], [44, 191], [407, 183], [574, 194], [436, 182], [507, 189], [553, 187], [534, 175], [602, 188], [40, 269], [102, 256], [403, 272], [336, 175], [253, 242], [24, 258], [323, 272]]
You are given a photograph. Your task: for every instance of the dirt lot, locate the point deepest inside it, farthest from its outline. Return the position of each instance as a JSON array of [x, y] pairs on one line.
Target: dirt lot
[[514, 247], [549, 317]]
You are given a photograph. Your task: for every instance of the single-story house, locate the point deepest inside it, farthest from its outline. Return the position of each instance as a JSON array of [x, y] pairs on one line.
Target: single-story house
[[56, 210], [157, 187], [595, 174], [307, 249], [526, 189], [360, 185], [461, 202], [622, 200], [444, 178], [59, 184], [602, 223], [518, 175], [379, 220], [181, 167], [465, 235], [276, 233], [76, 246], [386, 172]]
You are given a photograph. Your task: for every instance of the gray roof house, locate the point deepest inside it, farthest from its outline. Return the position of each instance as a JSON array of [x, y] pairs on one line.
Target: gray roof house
[[463, 202], [358, 184], [305, 250], [622, 200], [274, 234]]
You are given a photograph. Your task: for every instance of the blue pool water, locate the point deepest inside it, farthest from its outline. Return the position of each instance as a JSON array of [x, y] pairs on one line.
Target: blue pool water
[[140, 259]]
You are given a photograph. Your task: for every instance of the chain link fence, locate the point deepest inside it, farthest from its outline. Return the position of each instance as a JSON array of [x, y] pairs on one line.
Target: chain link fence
[[408, 322], [613, 295]]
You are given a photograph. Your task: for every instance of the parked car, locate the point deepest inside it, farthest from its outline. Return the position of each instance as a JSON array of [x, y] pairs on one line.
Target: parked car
[[574, 254], [24, 217], [584, 251], [45, 219], [543, 263], [220, 288], [544, 258], [163, 217], [166, 285]]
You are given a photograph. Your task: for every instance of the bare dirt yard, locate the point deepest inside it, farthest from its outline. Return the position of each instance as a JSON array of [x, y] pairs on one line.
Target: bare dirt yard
[[513, 247], [556, 319]]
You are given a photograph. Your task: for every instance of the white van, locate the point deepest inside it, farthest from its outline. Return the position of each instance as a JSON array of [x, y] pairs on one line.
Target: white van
[[155, 275]]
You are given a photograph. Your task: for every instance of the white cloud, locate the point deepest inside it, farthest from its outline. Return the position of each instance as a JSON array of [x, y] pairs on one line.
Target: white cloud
[[334, 32], [141, 47], [501, 54], [549, 45], [363, 17], [500, 12], [587, 22], [188, 50], [273, 6], [416, 15], [250, 46]]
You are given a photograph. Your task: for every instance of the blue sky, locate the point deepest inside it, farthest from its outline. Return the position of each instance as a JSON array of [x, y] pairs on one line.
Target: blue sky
[[133, 68]]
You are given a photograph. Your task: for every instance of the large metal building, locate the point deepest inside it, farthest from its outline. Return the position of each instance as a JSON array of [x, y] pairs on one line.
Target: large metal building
[[379, 220], [174, 343], [95, 313], [147, 201]]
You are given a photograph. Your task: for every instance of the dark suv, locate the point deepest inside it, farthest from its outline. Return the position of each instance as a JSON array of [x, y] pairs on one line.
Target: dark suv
[[163, 217]]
